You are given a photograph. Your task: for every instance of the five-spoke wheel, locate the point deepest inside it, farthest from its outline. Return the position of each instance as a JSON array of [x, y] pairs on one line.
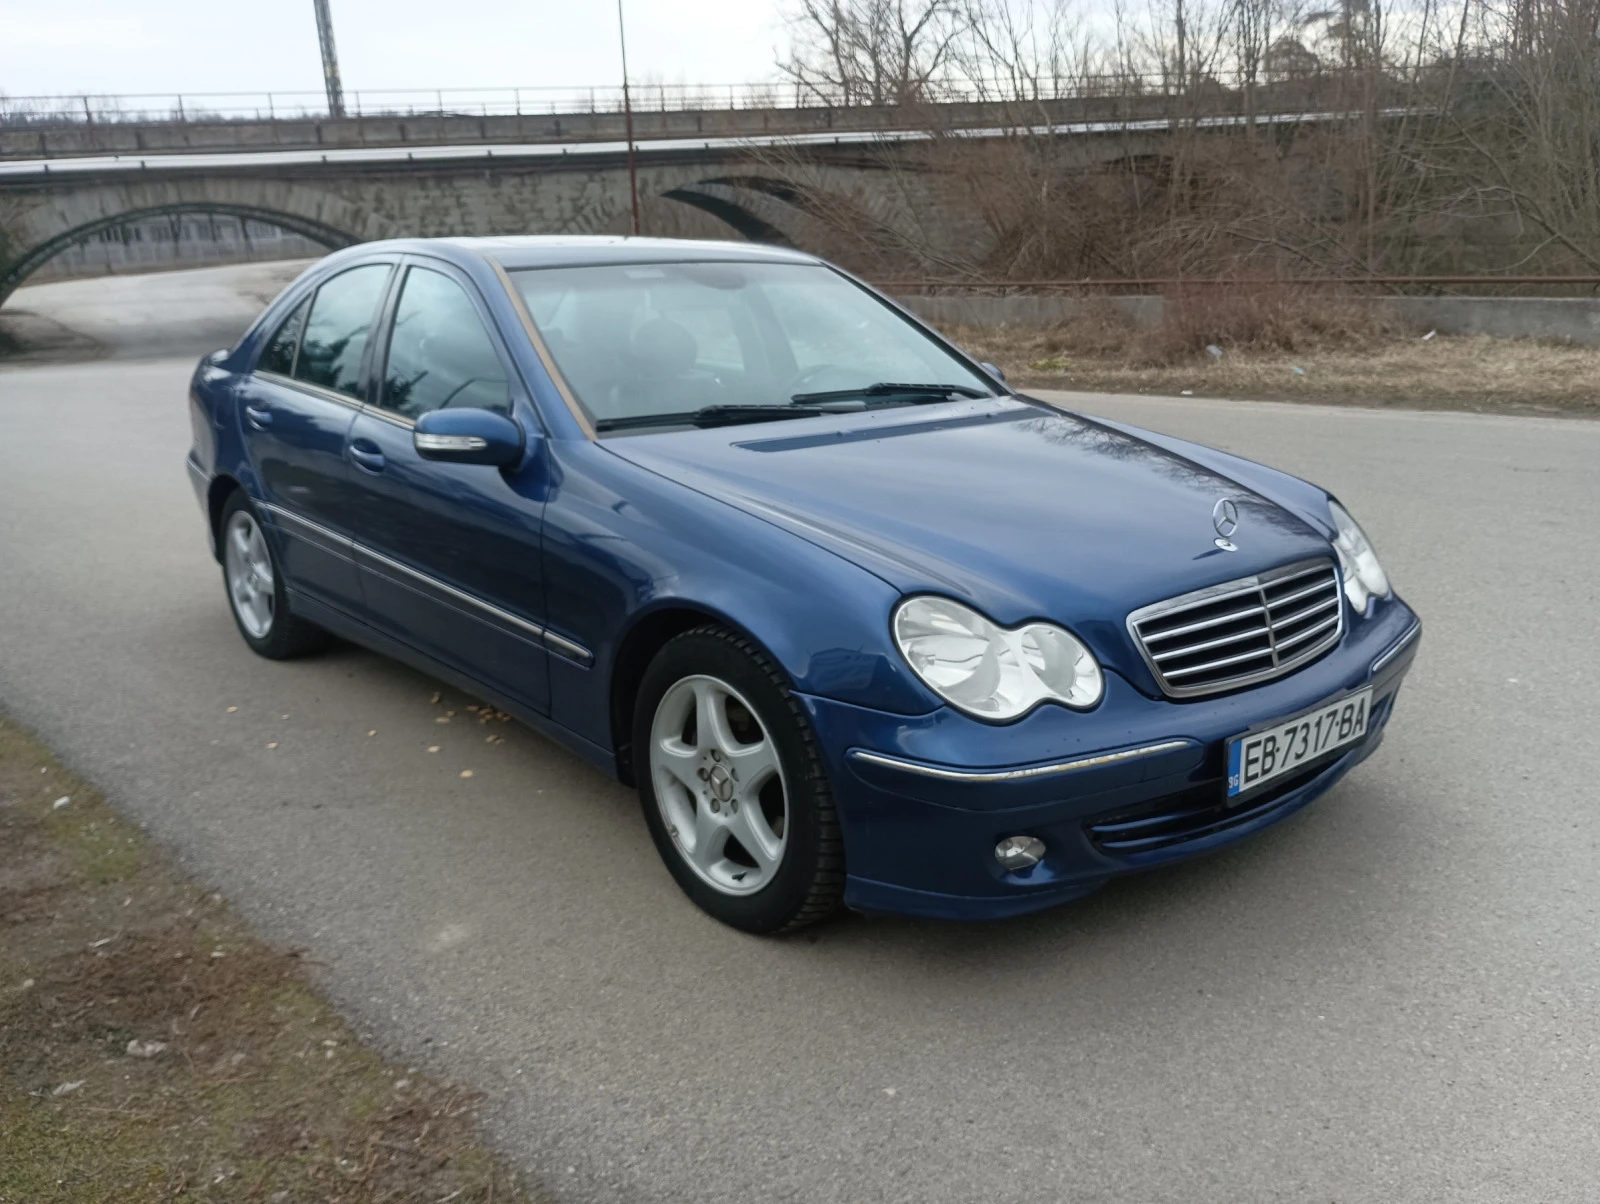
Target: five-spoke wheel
[[733, 786], [255, 585], [719, 784], [248, 568]]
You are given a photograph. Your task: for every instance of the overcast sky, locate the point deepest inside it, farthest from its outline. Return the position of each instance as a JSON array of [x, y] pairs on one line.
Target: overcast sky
[[122, 46]]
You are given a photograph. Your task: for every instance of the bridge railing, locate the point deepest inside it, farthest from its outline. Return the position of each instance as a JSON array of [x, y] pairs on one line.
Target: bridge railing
[[211, 107]]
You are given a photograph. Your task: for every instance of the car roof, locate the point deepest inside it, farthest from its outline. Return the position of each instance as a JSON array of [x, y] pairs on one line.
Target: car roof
[[575, 250]]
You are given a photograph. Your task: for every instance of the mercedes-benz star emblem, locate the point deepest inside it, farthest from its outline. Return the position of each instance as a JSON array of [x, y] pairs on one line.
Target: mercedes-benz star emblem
[[1225, 518]]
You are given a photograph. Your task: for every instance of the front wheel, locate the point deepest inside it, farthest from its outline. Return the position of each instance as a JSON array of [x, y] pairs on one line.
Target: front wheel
[[256, 591], [733, 787]]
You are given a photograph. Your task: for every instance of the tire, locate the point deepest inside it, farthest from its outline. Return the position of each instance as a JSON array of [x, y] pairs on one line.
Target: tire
[[702, 816], [260, 606]]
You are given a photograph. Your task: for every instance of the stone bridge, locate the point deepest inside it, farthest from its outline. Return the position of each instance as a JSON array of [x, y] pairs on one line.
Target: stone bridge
[[784, 188]]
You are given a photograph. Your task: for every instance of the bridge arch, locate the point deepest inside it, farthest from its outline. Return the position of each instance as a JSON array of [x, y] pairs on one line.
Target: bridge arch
[[748, 224], [15, 271]]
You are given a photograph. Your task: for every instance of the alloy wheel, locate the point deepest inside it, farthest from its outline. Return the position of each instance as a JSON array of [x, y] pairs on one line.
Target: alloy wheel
[[251, 585], [719, 784]]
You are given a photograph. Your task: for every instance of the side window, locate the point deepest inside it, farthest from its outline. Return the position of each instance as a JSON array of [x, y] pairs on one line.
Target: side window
[[336, 333], [279, 355], [439, 352]]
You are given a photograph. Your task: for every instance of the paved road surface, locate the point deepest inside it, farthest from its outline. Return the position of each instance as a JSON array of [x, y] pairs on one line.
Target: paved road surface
[[1390, 998]]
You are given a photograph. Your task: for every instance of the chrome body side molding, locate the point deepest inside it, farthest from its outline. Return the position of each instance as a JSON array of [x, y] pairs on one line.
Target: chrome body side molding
[[339, 545]]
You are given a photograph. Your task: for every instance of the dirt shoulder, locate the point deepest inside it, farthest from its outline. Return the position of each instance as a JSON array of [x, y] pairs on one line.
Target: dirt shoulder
[[1470, 373], [152, 1048]]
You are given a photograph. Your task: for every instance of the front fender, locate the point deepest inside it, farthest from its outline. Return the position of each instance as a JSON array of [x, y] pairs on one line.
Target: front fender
[[623, 544]]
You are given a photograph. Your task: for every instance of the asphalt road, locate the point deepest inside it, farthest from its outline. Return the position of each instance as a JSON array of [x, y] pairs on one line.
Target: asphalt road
[[1391, 997]]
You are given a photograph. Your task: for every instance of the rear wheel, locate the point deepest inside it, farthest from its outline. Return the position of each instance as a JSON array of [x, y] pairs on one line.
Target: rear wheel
[[255, 585], [733, 787]]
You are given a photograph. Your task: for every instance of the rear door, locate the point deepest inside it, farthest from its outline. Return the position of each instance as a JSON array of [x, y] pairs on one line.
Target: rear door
[[297, 409], [450, 553]]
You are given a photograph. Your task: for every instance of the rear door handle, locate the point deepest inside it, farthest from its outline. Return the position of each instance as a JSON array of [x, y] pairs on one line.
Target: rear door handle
[[366, 455], [258, 416]]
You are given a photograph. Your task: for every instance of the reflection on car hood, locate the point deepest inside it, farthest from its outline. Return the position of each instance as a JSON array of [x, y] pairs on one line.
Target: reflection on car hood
[[1020, 510]]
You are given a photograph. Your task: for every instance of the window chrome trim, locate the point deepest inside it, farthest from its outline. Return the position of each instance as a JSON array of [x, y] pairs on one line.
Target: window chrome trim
[[1014, 775], [309, 389], [1240, 586], [389, 416], [1398, 647]]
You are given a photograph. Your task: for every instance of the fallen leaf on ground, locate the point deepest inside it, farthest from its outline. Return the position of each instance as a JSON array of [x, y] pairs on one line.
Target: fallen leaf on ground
[[466, 773]]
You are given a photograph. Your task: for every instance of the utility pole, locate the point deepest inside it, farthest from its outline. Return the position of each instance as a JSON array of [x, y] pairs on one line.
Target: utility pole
[[627, 110], [330, 60]]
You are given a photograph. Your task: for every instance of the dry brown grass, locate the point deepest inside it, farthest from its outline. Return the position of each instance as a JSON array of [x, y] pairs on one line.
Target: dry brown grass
[[260, 1091], [1276, 348]]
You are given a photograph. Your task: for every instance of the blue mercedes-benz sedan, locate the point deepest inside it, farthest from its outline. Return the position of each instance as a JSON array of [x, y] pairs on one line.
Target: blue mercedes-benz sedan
[[861, 624]]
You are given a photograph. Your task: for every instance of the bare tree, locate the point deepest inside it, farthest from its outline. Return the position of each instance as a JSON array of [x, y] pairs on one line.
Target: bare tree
[[870, 52]]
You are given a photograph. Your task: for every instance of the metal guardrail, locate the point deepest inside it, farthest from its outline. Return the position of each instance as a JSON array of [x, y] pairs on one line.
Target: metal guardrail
[[164, 107]]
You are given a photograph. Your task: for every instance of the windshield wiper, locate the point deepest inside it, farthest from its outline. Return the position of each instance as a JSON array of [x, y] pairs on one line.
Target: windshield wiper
[[724, 415], [889, 388]]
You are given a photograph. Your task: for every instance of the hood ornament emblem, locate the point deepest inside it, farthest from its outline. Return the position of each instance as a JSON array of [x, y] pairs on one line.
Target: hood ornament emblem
[[1225, 518]]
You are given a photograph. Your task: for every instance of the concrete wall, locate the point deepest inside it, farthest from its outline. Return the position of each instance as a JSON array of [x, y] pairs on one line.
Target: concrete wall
[[1567, 319]]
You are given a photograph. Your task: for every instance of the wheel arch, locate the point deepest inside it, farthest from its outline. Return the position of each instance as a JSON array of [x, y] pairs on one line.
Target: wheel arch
[[649, 633], [217, 494]]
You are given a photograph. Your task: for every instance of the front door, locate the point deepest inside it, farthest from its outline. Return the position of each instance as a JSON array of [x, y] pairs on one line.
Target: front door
[[449, 553], [298, 407]]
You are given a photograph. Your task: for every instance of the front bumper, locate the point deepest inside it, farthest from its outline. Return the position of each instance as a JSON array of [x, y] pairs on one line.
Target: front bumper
[[923, 802]]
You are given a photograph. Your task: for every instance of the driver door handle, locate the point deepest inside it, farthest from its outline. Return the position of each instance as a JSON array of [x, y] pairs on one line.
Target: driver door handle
[[365, 454], [258, 416]]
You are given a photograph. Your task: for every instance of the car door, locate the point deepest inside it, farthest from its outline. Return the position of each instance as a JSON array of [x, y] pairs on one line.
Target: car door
[[297, 408], [449, 554]]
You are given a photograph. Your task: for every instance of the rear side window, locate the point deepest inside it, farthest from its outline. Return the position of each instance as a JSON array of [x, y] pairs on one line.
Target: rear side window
[[279, 355], [439, 352], [342, 314]]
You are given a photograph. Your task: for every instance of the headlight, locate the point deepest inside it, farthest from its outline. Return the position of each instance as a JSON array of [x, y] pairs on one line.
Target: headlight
[[1358, 563], [988, 671]]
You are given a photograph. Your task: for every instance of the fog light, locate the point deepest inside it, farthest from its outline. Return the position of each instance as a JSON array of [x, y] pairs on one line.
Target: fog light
[[1019, 852]]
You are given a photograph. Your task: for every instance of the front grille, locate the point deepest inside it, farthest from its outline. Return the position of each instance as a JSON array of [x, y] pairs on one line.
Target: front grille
[[1241, 632]]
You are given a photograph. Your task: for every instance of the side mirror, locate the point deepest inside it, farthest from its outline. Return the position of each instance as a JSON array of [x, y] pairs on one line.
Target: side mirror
[[993, 371], [468, 437]]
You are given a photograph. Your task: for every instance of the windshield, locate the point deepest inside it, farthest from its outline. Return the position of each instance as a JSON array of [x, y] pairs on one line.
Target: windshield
[[644, 344]]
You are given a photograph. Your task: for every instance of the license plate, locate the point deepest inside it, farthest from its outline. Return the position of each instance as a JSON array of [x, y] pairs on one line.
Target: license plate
[[1257, 758]]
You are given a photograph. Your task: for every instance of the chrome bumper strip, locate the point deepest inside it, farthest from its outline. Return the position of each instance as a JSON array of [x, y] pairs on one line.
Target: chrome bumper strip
[[1014, 775], [1398, 647]]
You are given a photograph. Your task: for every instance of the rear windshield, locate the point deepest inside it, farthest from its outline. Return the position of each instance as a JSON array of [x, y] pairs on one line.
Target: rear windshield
[[641, 340]]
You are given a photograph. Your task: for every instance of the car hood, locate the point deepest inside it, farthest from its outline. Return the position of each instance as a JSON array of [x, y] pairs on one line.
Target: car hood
[[1018, 509]]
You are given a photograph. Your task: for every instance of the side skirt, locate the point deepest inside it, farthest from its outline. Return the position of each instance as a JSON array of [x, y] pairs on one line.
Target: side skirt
[[358, 632]]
